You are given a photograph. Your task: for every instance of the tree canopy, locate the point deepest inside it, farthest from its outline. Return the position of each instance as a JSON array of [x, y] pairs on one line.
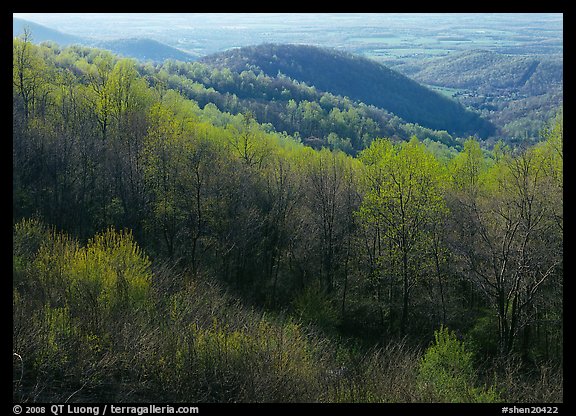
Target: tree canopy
[[185, 252]]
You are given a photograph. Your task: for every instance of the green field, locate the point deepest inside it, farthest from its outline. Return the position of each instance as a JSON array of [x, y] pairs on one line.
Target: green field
[[448, 92]]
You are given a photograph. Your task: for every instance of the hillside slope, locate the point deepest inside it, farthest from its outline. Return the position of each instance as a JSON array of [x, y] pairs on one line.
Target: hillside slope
[[143, 49], [486, 70], [517, 93], [42, 33], [359, 79]]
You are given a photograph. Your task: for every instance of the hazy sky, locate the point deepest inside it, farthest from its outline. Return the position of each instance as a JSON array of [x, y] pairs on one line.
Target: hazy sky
[[208, 32]]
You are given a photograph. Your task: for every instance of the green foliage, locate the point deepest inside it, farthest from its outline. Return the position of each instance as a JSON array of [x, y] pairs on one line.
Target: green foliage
[[211, 351], [320, 117], [377, 248], [482, 337], [468, 167], [275, 353], [58, 332], [402, 202], [313, 305], [446, 372], [113, 265], [550, 152], [51, 264], [27, 237], [110, 273], [335, 71]]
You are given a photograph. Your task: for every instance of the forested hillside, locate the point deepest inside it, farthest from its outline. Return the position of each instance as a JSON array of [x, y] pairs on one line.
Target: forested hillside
[[167, 251], [317, 118], [45, 34], [517, 93], [138, 48], [144, 49], [359, 79]]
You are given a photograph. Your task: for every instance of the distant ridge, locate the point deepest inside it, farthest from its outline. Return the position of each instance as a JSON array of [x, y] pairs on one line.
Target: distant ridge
[[145, 50], [359, 79], [487, 69], [138, 48], [42, 33]]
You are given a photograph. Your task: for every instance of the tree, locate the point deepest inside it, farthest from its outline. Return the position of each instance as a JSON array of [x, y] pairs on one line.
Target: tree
[[28, 74], [403, 198], [509, 235], [282, 195], [129, 99], [98, 74], [248, 146], [329, 176], [446, 372], [161, 176]]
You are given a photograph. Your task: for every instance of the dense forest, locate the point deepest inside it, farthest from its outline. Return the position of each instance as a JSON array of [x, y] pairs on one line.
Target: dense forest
[[165, 250], [317, 118], [359, 79]]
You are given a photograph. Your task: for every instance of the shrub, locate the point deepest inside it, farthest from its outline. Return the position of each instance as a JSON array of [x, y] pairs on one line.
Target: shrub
[[76, 310], [28, 235], [114, 268], [446, 372]]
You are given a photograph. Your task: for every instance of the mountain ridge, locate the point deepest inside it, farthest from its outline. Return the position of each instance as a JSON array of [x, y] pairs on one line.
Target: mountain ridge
[[359, 79], [518, 93], [479, 68], [41, 33], [330, 70], [143, 49]]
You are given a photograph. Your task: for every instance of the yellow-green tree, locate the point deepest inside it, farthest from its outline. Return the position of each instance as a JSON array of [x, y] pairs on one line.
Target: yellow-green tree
[[446, 372], [29, 73], [404, 197]]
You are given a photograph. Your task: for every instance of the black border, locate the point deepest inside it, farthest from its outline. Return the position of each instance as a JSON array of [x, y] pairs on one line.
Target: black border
[[332, 7]]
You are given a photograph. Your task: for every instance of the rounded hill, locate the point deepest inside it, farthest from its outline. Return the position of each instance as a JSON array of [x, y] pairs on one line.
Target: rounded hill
[[359, 79]]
